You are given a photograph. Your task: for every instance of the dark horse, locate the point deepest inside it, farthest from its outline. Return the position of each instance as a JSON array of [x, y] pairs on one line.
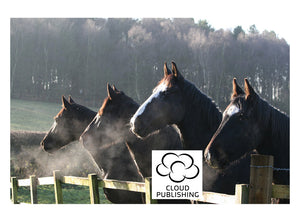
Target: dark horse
[[250, 122], [69, 124], [112, 124], [177, 101]]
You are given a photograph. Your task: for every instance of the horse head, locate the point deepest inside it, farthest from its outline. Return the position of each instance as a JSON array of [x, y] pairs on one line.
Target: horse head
[[111, 121], [68, 125], [239, 132], [163, 107]]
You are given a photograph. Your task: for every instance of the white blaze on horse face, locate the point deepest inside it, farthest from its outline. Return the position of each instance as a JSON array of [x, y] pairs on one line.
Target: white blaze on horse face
[[156, 92], [231, 110]]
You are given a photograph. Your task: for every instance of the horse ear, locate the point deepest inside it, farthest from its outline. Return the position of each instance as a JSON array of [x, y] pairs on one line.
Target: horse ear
[[71, 100], [65, 103], [167, 71], [110, 92], [250, 93], [236, 89], [115, 88], [175, 71]]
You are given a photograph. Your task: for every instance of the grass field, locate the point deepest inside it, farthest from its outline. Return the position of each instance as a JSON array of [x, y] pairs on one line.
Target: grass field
[[38, 116], [33, 115], [71, 194]]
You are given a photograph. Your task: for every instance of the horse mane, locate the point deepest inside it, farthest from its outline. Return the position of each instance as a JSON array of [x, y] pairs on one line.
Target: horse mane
[[79, 108], [105, 101], [208, 111], [277, 122], [132, 106], [83, 110]]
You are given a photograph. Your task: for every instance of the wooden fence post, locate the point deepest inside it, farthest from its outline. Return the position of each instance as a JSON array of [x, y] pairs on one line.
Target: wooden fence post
[[14, 190], [57, 187], [242, 193], [148, 189], [94, 191], [33, 189], [261, 176]]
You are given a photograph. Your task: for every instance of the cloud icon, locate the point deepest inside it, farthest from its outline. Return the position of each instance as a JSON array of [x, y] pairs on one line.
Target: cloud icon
[[177, 167]]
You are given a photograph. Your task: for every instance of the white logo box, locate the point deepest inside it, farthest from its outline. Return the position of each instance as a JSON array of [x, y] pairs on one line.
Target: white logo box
[[176, 174]]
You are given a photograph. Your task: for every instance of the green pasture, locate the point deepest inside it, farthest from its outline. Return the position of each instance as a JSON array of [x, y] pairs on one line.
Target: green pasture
[[32, 115], [71, 194]]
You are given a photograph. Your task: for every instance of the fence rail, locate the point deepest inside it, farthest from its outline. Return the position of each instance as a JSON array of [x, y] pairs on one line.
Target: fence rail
[[260, 189]]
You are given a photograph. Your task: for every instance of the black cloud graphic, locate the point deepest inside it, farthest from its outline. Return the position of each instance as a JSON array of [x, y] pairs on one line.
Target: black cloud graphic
[[177, 167]]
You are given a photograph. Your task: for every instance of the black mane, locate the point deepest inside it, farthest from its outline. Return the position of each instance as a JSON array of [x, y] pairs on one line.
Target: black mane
[[277, 132], [84, 111], [277, 121], [205, 123], [208, 110]]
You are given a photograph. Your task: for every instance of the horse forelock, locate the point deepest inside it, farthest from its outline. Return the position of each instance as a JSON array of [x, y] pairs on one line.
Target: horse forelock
[[166, 80]]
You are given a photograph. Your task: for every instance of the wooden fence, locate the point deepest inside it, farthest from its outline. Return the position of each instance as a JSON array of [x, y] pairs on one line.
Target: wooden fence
[[260, 189]]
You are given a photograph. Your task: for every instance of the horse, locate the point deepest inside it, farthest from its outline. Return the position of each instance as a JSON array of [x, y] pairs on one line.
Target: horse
[[111, 124], [177, 101], [68, 126], [251, 122]]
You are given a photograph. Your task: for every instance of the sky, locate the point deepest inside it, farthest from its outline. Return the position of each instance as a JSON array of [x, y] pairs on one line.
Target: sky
[[266, 15], [275, 15]]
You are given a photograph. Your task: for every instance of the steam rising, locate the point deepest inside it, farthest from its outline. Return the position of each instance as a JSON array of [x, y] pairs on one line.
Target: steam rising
[[30, 159]]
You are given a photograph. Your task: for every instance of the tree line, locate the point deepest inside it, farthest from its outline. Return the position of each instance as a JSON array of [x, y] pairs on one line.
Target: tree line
[[51, 57]]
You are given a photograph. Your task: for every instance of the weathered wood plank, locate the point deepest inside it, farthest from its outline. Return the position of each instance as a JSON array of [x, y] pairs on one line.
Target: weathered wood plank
[[94, 191], [261, 176], [122, 185], [242, 193], [217, 198], [148, 191], [75, 180], [33, 189], [281, 191], [57, 187], [14, 190]]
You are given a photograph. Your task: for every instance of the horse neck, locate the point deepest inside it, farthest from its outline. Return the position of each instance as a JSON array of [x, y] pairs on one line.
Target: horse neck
[[89, 115], [201, 118], [116, 162], [116, 155], [275, 140], [82, 121]]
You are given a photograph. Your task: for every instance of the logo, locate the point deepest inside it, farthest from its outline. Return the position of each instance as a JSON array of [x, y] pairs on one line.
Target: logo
[[177, 167], [176, 174]]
